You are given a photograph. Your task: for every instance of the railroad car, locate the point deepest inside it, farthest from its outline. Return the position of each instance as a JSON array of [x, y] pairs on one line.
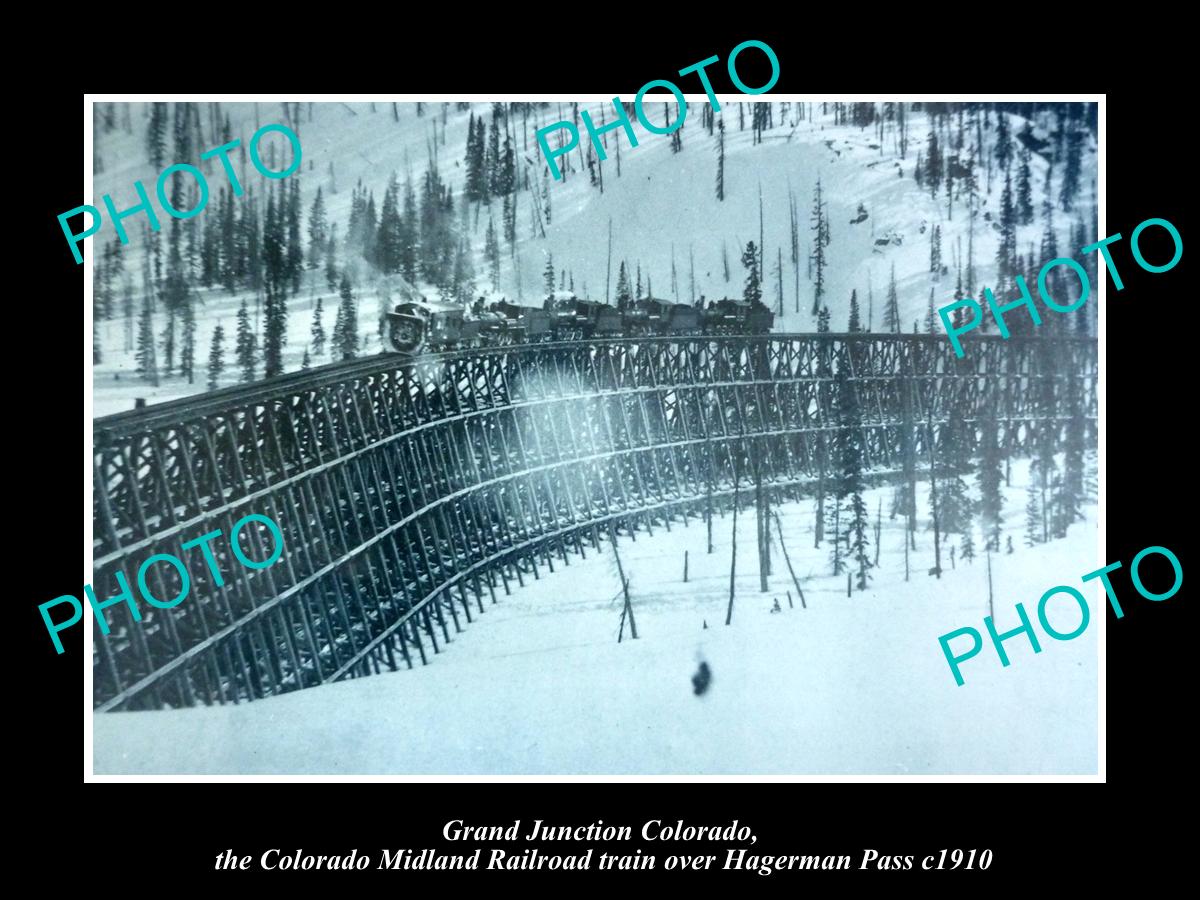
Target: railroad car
[[650, 316], [576, 319], [737, 317], [418, 326], [508, 323]]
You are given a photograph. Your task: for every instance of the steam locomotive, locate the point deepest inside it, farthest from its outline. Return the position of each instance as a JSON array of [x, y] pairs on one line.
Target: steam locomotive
[[427, 326]]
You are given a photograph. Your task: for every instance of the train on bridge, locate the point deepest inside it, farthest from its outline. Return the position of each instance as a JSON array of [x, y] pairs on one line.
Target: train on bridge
[[412, 493], [419, 326]]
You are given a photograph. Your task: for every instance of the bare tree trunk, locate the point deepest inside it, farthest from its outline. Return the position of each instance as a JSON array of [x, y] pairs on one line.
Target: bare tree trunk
[[608, 270], [787, 559], [878, 530], [692, 274], [819, 528], [733, 558], [991, 603], [762, 256], [906, 539], [760, 522], [708, 513], [937, 538], [628, 608]]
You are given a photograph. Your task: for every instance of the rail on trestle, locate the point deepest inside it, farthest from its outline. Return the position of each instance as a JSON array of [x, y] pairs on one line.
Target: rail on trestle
[[411, 492]]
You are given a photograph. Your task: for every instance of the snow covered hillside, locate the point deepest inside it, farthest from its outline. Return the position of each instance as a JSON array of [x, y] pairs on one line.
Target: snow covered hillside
[[667, 225], [850, 684]]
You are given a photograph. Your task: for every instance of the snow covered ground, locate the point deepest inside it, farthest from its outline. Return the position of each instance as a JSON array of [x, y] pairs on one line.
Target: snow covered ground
[[663, 210], [540, 685]]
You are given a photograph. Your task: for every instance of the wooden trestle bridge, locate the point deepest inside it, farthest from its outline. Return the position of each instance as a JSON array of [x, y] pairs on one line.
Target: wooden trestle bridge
[[412, 492]]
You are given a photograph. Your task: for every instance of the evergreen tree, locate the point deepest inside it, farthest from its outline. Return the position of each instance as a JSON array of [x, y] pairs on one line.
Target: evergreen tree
[[954, 507], [331, 269], [370, 225], [492, 252], [1055, 282], [548, 276], [509, 217], [216, 358], [823, 320], [1024, 191], [348, 343], [1071, 170], [127, 312], [1033, 514], [436, 240], [295, 246], [935, 250], [855, 319], [463, 277], [274, 330], [624, 297], [931, 317], [305, 362], [102, 297], [966, 549], [1072, 490], [720, 159], [1006, 253], [318, 234], [991, 477], [1003, 140], [851, 510], [156, 135], [147, 357], [318, 329], [820, 228], [251, 268], [116, 270], [933, 163], [969, 282], [891, 312], [354, 226], [210, 253], [246, 350], [476, 187], [274, 243], [508, 167], [183, 136], [97, 354], [389, 243], [492, 154], [187, 355], [752, 291], [339, 327], [408, 246]]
